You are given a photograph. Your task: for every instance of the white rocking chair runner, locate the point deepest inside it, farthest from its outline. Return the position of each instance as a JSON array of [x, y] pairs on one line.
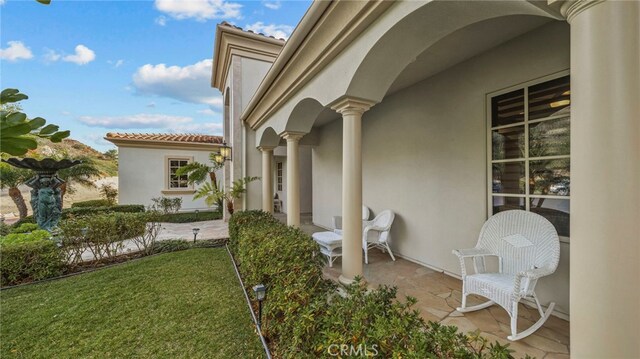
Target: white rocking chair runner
[[527, 247]]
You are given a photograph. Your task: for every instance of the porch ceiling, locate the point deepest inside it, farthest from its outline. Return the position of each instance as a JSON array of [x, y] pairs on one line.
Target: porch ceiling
[[463, 45], [458, 47]]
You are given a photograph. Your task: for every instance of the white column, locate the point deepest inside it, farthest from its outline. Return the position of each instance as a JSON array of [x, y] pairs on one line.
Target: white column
[[605, 178], [351, 111], [293, 177], [267, 179]]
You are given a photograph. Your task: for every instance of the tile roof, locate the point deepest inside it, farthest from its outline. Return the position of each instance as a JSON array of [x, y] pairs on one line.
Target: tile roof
[[165, 137], [224, 23]]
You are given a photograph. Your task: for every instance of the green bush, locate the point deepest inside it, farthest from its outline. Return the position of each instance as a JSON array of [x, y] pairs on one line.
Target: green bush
[[25, 228], [4, 228], [101, 234], [92, 203], [187, 217], [87, 211], [28, 257], [33, 236], [305, 317]]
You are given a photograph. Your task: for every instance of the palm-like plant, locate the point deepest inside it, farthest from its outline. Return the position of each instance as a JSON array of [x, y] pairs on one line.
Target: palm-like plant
[[199, 172], [213, 195], [12, 177], [82, 174]]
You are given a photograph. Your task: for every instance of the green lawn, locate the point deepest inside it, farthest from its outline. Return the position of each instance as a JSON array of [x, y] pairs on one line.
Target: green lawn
[[185, 304]]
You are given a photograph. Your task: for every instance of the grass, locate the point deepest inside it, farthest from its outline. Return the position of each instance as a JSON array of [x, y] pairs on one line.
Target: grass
[[186, 304], [187, 217]]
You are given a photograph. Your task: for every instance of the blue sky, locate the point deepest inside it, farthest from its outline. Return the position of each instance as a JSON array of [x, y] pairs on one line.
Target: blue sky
[[94, 67]]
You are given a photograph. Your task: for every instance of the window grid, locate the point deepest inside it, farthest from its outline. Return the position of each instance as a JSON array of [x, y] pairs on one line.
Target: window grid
[[177, 182], [527, 196]]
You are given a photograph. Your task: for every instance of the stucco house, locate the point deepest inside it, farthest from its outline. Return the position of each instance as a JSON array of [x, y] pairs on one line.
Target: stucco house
[[448, 112], [147, 165]]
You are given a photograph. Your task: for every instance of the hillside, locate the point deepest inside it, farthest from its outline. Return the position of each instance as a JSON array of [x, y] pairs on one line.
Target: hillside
[[75, 149]]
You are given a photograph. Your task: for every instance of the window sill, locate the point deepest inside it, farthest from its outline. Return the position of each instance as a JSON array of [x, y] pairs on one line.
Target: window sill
[[178, 191]]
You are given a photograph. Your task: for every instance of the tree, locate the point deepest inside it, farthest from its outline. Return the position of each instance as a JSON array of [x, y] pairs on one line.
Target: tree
[[17, 132], [82, 174], [214, 195], [111, 154], [12, 177]]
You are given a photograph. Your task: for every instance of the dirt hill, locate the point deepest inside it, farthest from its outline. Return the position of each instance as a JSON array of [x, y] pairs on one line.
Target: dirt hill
[[75, 149]]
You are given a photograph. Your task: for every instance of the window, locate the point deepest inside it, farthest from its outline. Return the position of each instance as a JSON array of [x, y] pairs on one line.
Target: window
[[177, 182], [529, 154], [279, 176]]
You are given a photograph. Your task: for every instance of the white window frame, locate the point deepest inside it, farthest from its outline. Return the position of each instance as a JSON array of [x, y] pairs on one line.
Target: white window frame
[[279, 175], [526, 159], [167, 175]]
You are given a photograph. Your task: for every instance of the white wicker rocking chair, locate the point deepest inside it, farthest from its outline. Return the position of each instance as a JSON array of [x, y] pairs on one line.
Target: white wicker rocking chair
[[528, 248]]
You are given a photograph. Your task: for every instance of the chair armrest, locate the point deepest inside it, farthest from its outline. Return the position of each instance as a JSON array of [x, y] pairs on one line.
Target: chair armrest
[[527, 276], [534, 273], [472, 252]]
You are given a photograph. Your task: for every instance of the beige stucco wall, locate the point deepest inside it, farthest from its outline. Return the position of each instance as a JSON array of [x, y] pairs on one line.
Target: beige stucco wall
[[142, 174], [424, 155]]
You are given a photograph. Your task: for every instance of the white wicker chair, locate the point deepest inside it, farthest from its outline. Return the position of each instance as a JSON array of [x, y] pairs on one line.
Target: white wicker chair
[[337, 220], [528, 248], [379, 229]]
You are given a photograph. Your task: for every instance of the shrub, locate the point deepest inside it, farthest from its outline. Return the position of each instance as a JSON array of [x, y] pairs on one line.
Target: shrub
[[305, 317], [109, 193], [187, 217], [4, 228], [28, 257], [87, 211], [166, 204], [101, 234], [91, 203], [33, 236], [25, 228]]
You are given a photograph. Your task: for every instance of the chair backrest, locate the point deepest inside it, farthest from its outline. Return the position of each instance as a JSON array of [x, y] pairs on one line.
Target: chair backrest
[[365, 213], [383, 222], [524, 240]]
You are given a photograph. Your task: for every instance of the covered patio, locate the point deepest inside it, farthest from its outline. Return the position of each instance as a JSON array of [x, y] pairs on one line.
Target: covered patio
[[433, 110]]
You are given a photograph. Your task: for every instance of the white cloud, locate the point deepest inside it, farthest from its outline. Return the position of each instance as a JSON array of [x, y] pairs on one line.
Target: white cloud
[[97, 139], [2, 2], [16, 51], [116, 63], [273, 5], [51, 56], [161, 20], [143, 120], [82, 56], [208, 128], [277, 31], [208, 112], [200, 10], [188, 84], [65, 113]]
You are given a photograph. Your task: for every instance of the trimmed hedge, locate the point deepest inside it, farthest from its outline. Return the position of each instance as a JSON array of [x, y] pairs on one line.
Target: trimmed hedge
[[187, 217], [29, 257], [305, 317], [92, 203], [86, 211]]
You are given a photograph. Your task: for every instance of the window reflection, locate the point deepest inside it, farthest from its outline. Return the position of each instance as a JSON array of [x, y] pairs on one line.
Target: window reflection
[[508, 143], [550, 177], [508, 177], [508, 108], [555, 210]]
